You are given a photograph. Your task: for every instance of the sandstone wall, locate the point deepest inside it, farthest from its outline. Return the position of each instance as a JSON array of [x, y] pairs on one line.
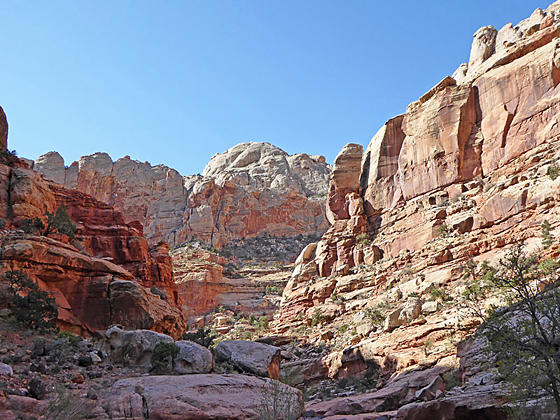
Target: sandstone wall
[[248, 190], [469, 159], [101, 277]]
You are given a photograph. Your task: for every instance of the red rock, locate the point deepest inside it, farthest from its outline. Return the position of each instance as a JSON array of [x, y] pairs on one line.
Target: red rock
[[3, 131]]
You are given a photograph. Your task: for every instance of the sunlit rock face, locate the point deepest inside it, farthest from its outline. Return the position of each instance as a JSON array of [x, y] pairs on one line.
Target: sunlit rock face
[[251, 189], [465, 172]]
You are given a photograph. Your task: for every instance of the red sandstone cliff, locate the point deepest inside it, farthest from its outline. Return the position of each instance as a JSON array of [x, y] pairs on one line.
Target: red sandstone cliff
[[104, 274], [251, 189]]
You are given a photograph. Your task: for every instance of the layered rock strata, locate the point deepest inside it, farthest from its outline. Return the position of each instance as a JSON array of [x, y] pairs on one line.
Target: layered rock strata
[[468, 170], [251, 189], [103, 275]]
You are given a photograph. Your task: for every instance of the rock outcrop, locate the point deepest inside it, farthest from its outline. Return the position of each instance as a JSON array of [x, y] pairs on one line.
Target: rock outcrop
[[251, 189], [3, 130], [255, 358], [200, 397], [468, 170], [102, 276]]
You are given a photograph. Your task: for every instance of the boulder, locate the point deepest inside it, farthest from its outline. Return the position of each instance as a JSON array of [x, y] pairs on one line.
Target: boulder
[[202, 397], [133, 347], [192, 358], [248, 356]]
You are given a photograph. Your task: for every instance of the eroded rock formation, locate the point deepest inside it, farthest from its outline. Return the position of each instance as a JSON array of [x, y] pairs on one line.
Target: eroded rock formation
[[102, 276], [251, 189], [468, 170]]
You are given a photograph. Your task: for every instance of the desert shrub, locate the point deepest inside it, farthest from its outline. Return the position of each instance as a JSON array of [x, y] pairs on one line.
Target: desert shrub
[[273, 291], [362, 238], [278, 405], [203, 336], [66, 406], [260, 323], [553, 171], [317, 318], [31, 306], [60, 222], [37, 389], [439, 293], [522, 337], [73, 339], [7, 157], [163, 356], [34, 225], [451, 379], [547, 237], [375, 316], [443, 230]]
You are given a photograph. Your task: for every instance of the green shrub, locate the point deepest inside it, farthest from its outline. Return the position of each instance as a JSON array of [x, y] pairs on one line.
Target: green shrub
[[363, 238], [34, 225], [60, 222], [203, 336], [553, 171], [375, 316], [72, 338], [31, 306], [547, 237], [7, 157], [443, 230], [163, 355], [317, 318], [273, 291], [439, 293]]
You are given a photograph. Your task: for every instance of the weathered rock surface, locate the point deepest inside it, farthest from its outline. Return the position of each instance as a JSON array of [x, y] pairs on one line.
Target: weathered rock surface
[[246, 191], [133, 347], [103, 276], [251, 357], [192, 358], [197, 397], [467, 171], [3, 130]]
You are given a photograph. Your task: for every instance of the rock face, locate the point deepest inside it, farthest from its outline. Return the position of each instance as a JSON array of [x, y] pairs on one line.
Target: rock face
[[200, 397], [468, 170], [248, 356], [3, 130], [251, 189], [104, 275]]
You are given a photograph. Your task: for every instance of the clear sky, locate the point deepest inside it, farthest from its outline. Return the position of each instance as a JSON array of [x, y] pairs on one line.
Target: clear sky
[[174, 82]]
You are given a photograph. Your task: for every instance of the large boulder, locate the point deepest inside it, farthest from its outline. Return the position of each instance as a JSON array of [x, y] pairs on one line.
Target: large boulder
[[192, 358], [133, 347], [202, 397], [248, 356]]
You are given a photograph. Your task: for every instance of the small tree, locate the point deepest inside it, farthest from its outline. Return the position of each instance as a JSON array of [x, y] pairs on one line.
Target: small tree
[[525, 337], [203, 336], [547, 237], [61, 222], [32, 307]]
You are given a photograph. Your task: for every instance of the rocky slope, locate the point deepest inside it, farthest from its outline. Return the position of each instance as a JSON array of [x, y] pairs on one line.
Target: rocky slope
[[466, 171], [251, 189]]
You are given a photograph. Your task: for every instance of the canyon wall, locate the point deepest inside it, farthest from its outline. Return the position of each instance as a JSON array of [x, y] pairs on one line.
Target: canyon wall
[[468, 170], [251, 189], [106, 274]]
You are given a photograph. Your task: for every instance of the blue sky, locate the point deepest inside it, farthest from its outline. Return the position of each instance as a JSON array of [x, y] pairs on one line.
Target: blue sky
[[174, 82]]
